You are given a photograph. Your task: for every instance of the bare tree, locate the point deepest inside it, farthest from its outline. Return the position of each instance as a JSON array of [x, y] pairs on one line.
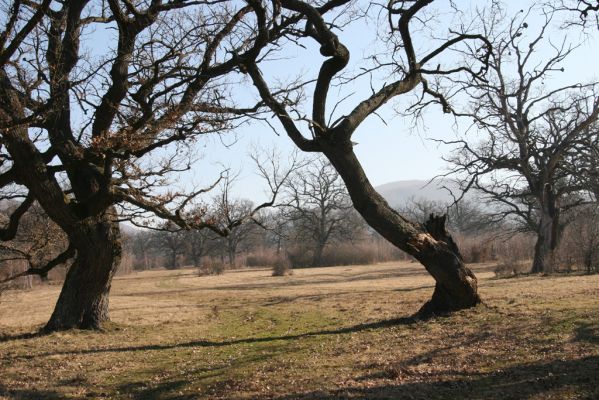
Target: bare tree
[[89, 133], [406, 70], [199, 244], [240, 236], [533, 135], [239, 216], [141, 246], [277, 229], [172, 241], [318, 206], [582, 11]]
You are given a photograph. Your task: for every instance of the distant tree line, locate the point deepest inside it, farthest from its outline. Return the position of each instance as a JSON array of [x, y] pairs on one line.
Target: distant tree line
[[313, 224]]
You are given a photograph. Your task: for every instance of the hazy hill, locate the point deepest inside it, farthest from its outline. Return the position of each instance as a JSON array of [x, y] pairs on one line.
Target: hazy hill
[[400, 192]]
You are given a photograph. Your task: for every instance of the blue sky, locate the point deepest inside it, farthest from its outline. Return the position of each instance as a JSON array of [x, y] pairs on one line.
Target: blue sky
[[388, 152]]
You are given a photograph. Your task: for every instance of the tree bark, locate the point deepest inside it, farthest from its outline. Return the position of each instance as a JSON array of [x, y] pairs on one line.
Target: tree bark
[[317, 255], [231, 254], [83, 301], [548, 232], [456, 286], [196, 257], [172, 264], [547, 241]]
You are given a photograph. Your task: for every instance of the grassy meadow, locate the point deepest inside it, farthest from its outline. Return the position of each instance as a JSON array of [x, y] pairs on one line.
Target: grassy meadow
[[324, 333]]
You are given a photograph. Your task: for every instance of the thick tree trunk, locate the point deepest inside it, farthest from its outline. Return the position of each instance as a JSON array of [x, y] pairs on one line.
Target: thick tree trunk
[[588, 261], [83, 301], [547, 241], [317, 255], [548, 232], [456, 285], [197, 252], [196, 258], [172, 264], [231, 253]]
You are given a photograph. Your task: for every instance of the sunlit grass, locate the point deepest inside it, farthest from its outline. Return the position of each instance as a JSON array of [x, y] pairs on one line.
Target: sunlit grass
[[326, 333]]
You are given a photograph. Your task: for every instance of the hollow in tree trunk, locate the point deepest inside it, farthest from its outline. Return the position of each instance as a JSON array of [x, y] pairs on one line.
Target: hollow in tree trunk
[[83, 301]]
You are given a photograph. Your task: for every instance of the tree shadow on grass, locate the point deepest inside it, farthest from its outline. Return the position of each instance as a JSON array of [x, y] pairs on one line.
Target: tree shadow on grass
[[167, 390], [555, 379], [250, 340], [294, 283], [587, 332], [20, 336], [217, 380], [28, 394]]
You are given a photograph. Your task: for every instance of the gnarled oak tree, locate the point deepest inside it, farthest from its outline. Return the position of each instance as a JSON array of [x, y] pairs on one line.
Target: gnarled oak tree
[[99, 101], [429, 243]]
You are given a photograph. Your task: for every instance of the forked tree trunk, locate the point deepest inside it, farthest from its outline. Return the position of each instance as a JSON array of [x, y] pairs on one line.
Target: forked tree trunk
[[456, 286], [83, 301]]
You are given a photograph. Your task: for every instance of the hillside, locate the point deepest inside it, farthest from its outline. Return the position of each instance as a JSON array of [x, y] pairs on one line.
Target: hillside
[[400, 192]]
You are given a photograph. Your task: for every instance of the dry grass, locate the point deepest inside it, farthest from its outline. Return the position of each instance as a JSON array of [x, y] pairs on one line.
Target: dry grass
[[324, 333]]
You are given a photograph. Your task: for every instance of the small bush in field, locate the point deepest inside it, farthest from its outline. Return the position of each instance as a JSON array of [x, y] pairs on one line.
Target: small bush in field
[[211, 267], [282, 267]]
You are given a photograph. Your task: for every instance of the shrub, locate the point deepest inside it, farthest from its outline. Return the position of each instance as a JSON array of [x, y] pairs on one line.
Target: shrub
[[282, 267], [211, 267], [476, 248], [279, 263]]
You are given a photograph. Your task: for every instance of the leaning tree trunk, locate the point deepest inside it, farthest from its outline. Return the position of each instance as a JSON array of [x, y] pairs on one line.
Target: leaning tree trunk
[[83, 301], [456, 285]]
